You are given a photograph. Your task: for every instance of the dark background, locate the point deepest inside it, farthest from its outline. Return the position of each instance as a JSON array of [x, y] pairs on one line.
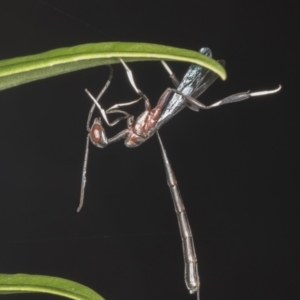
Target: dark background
[[237, 165]]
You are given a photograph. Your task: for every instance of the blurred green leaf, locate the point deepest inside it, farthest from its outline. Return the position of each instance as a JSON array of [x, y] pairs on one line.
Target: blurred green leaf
[[24, 283], [20, 70]]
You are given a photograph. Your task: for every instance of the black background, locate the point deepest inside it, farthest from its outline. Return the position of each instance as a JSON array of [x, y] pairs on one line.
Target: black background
[[237, 165]]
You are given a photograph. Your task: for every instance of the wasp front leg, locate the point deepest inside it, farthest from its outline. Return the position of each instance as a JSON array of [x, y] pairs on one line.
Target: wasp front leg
[[98, 137]]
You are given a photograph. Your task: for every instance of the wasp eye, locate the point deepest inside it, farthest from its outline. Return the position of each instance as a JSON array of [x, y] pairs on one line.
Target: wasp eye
[[96, 133]]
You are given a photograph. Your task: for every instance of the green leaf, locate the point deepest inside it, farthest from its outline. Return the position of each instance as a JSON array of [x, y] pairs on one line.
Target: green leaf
[[20, 70], [24, 283]]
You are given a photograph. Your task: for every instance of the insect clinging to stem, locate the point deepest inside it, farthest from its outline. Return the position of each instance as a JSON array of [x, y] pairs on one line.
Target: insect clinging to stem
[[196, 80]]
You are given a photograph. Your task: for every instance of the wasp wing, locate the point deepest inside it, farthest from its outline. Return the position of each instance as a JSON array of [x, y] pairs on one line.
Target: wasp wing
[[201, 83]]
